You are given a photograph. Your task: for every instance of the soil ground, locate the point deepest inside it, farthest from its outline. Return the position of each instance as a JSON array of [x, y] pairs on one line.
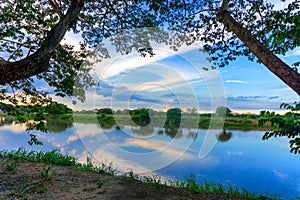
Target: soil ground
[[27, 180]]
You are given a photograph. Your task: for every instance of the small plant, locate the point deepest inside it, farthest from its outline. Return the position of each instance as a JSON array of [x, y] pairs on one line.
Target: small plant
[[89, 161], [155, 180], [45, 172], [108, 169], [28, 189], [100, 183], [192, 184], [132, 176], [10, 166]]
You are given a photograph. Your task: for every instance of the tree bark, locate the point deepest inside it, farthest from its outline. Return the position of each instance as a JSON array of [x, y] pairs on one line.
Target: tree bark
[[269, 59], [38, 62]]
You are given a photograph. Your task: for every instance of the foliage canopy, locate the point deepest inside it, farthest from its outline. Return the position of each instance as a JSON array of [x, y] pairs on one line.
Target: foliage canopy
[[286, 125]]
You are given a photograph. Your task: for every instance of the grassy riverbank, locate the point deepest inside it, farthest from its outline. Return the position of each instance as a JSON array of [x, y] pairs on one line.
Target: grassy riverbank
[[51, 175]]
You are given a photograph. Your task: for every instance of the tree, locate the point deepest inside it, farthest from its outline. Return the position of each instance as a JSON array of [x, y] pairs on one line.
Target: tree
[[57, 109], [286, 125], [140, 116], [223, 111], [173, 117], [105, 111]]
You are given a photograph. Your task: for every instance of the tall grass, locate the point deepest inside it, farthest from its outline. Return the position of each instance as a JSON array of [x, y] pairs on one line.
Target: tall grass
[[56, 158]]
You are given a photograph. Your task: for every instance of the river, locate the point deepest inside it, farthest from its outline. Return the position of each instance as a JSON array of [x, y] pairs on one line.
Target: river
[[231, 158]]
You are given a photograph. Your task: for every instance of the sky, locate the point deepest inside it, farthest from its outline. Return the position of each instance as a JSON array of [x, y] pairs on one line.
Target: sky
[[177, 79]]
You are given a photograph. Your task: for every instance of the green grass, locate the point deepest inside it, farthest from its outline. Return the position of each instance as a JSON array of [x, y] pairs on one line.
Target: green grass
[[9, 166], [191, 184], [56, 158]]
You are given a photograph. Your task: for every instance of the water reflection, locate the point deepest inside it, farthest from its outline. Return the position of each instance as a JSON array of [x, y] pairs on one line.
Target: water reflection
[[224, 136], [171, 131], [244, 160], [106, 122], [7, 120], [58, 126], [144, 131]]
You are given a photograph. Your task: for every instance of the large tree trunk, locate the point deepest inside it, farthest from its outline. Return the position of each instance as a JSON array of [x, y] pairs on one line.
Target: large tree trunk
[[38, 62], [269, 59]]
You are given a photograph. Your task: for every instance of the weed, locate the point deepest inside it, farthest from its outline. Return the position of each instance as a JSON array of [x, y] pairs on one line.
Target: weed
[[45, 172], [132, 176], [10, 166], [155, 180], [100, 184], [107, 169], [192, 184]]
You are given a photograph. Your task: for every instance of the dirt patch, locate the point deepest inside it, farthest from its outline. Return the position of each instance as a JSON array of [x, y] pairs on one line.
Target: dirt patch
[[27, 180]]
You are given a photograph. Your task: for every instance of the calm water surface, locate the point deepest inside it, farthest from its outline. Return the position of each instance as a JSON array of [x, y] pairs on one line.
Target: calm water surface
[[238, 159]]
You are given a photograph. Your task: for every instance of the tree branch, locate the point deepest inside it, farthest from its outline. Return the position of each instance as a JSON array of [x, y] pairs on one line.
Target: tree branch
[[270, 60], [56, 8], [38, 62]]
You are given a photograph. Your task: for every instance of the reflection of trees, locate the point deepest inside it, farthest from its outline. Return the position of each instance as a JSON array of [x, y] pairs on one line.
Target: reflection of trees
[[224, 136], [143, 131], [58, 126], [173, 131], [106, 122], [192, 135], [7, 120]]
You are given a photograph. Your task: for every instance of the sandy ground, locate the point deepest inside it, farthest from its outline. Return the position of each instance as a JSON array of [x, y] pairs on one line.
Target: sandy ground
[[26, 180]]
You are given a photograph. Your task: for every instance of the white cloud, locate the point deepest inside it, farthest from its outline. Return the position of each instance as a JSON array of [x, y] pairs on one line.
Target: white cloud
[[295, 52], [278, 5], [15, 128], [279, 174], [122, 165], [72, 138], [236, 81], [285, 89], [86, 130], [72, 39], [235, 153]]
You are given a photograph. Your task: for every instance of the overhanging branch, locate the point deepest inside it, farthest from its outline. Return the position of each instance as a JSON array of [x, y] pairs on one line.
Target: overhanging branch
[[38, 62]]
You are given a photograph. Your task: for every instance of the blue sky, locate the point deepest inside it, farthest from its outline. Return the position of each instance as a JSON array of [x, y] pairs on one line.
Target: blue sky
[[251, 86], [177, 79]]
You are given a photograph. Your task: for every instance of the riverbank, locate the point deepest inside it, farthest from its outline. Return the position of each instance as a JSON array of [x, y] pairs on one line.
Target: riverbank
[[50, 175]]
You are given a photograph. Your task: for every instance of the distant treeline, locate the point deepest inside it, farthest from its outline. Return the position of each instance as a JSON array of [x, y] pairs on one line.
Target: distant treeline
[[53, 108], [59, 109]]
